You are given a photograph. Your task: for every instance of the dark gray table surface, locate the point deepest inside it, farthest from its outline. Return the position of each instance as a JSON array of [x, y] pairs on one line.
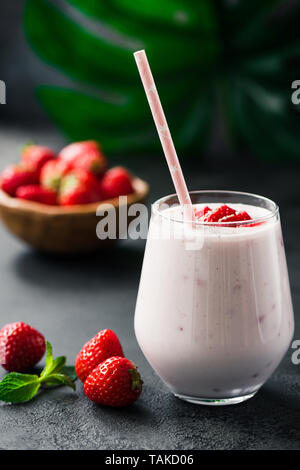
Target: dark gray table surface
[[70, 299]]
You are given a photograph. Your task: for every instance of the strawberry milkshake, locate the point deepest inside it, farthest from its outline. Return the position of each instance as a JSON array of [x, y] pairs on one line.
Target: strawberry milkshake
[[214, 315]]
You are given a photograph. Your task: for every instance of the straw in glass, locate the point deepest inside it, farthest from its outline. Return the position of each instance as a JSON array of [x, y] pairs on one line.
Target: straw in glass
[[164, 133]]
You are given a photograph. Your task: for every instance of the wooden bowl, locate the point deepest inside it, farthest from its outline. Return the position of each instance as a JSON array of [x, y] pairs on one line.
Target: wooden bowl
[[60, 229]]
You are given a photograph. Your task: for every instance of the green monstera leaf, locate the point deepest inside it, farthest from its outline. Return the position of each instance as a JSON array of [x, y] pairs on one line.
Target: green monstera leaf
[[231, 55]]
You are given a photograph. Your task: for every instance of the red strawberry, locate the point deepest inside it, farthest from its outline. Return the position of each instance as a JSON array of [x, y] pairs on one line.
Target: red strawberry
[[237, 217], [201, 212], [95, 163], [86, 155], [116, 182], [52, 173], [219, 213], [15, 176], [115, 382], [102, 346], [72, 151], [21, 346], [34, 192], [35, 156], [79, 187]]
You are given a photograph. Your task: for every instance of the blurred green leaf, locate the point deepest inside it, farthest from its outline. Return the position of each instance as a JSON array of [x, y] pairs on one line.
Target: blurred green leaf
[[264, 119], [239, 57], [84, 117], [95, 58], [83, 113], [172, 14]]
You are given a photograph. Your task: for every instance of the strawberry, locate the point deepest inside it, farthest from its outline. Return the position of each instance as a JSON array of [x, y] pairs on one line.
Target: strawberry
[[21, 346], [102, 346], [15, 176], [202, 212], [115, 382], [52, 173], [116, 182], [77, 196], [219, 213], [34, 192], [79, 187], [86, 155], [34, 157], [222, 214], [237, 217]]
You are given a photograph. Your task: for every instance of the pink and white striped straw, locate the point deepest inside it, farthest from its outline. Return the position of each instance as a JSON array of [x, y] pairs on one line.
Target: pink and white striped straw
[[164, 132]]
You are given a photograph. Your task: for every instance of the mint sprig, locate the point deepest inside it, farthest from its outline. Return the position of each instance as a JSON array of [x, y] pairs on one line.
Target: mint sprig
[[19, 388], [16, 388], [52, 366]]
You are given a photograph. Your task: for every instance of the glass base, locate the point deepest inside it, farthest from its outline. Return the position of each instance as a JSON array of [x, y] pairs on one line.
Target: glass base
[[214, 401]]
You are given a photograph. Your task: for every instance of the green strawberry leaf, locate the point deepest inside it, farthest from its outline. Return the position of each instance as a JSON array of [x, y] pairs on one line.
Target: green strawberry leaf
[[18, 388]]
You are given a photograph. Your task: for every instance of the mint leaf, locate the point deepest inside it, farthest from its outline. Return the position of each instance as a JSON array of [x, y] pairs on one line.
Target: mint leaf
[[56, 372], [59, 379], [68, 382], [18, 388], [52, 366], [70, 372], [49, 360], [55, 367], [58, 364], [49, 356]]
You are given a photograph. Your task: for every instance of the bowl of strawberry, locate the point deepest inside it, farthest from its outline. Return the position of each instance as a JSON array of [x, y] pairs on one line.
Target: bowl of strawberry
[[50, 200]]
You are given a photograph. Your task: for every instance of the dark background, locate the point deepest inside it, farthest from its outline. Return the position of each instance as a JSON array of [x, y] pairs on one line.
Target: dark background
[[70, 299], [20, 69]]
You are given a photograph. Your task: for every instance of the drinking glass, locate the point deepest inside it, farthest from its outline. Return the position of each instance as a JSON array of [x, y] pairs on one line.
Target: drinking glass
[[214, 315]]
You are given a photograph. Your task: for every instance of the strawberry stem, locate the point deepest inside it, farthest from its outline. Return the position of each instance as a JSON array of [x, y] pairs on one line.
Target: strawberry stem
[[136, 381]]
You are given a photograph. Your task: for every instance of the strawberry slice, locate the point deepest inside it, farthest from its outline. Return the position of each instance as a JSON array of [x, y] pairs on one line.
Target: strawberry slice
[[219, 213], [202, 212], [237, 217]]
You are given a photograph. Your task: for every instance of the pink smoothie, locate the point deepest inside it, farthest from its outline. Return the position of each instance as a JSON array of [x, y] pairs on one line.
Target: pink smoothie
[[214, 316]]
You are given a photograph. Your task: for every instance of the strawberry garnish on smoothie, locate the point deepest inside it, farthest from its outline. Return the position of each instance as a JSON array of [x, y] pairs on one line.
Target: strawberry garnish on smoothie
[[202, 212], [236, 217], [221, 214]]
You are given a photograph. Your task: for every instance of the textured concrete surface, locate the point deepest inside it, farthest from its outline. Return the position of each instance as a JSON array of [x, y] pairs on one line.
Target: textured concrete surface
[[70, 299]]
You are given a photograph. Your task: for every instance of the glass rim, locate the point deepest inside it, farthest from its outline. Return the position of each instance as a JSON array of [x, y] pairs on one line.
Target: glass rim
[[272, 213]]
